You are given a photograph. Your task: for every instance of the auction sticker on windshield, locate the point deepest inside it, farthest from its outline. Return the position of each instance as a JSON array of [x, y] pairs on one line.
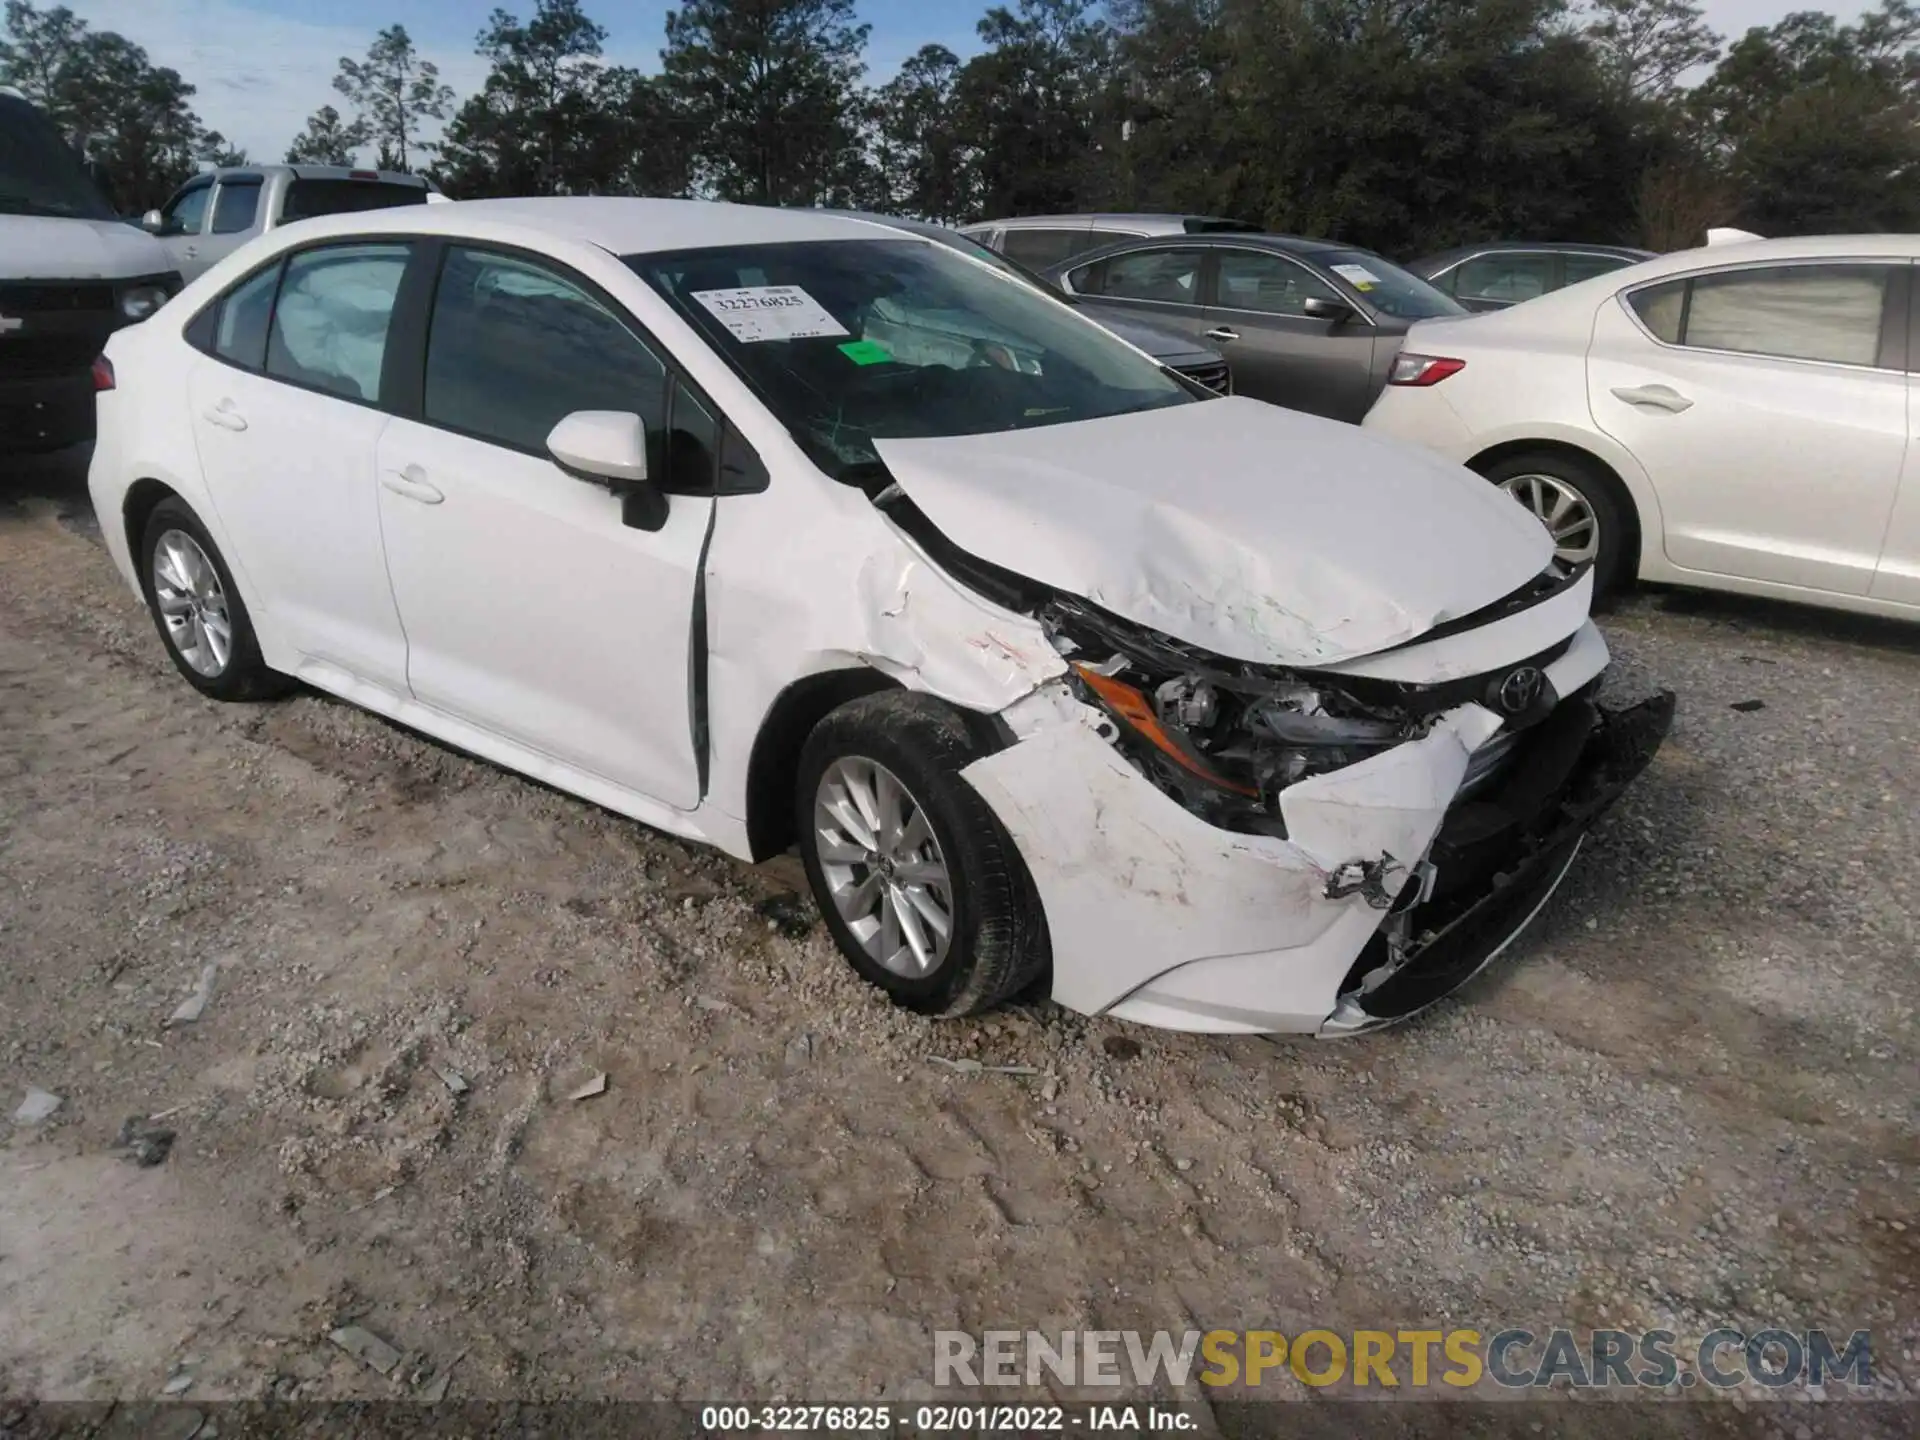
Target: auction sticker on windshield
[[1357, 276], [769, 312]]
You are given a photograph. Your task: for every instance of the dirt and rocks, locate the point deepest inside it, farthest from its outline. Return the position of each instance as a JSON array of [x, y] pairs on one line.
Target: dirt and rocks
[[553, 1106]]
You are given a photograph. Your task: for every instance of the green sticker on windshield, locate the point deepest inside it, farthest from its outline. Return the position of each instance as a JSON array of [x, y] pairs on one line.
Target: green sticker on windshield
[[865, 352]]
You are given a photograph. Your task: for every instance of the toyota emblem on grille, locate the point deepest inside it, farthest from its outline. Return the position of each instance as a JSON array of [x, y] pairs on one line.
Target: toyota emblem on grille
[[1516, 691]]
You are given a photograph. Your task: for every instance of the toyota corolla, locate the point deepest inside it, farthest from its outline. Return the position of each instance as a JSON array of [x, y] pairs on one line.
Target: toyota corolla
[[771, 528]]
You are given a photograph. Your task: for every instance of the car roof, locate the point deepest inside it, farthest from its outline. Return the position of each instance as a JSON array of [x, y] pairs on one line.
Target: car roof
[[620, 225], [1502, 247], [1174, 223], [311, 172], [1216, 240]]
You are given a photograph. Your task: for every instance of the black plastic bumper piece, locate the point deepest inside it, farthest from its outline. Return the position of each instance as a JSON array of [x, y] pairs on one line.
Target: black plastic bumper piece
[[41, 413], [1499, 855]]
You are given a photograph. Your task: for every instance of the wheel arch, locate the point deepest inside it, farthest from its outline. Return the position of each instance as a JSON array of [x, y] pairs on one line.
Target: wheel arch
[[773, 764], [142, 498], [1639, 534]]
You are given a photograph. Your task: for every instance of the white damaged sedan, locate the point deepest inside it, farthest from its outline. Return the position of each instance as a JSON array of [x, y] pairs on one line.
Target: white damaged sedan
[[768, 528]]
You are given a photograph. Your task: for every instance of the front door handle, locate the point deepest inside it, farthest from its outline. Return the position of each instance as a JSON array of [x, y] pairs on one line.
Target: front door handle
[[226, 415], [1221, 332], [1659, 397], [412, 482]]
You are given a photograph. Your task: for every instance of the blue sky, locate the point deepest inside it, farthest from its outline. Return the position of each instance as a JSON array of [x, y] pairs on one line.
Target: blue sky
[[262, 66]]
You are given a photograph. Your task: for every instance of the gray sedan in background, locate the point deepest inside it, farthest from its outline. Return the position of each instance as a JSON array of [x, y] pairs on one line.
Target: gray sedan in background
[[1172, 346], [1310, 324]]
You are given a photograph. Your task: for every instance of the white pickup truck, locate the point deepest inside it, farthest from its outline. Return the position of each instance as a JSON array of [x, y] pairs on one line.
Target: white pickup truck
[[71, 273], [218, 211]]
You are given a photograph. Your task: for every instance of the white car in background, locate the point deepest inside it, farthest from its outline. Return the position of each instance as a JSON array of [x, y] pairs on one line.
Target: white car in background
[[1052, 663], [1736, 417]]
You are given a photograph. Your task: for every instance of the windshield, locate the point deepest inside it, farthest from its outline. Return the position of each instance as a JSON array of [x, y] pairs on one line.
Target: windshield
[[39, 174], [849, 342], [1387, 287]]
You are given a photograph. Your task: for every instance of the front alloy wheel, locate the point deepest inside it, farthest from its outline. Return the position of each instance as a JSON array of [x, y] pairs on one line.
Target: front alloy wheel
[[883, 866], [921, 887]]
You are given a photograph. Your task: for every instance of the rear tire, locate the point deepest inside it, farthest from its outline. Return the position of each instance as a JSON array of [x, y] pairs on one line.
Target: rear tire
[[198, 611], [886, 823], [1582, 507]]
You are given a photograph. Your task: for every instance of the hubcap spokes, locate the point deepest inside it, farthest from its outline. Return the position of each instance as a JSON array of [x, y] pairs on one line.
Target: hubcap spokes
[[193, 605], [883, 866], [1567, 516]]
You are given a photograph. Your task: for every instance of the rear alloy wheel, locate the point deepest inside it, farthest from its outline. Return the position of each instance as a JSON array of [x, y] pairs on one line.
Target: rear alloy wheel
[[920, 885], [1579, 506], [198, 610]]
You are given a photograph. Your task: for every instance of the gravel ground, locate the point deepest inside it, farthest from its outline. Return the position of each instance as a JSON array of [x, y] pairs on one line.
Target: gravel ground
[[1687, 1099]]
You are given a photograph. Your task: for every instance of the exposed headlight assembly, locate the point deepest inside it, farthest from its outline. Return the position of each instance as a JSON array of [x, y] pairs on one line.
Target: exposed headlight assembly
[[1222, 738]]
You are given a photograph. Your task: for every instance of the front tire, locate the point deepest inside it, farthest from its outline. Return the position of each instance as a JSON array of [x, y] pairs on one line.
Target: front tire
[[198, 611], [1581, 507], [921, 886]]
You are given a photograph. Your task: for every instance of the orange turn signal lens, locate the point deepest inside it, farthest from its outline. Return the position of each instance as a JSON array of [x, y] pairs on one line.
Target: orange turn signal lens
[[1131, 706]]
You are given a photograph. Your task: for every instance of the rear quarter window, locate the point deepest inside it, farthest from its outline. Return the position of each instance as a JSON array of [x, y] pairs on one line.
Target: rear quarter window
[[1660, 307], [307, 198]]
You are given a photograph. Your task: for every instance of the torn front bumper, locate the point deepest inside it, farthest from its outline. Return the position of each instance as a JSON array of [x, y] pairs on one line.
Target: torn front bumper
[[1159, 917], [1498, 858]]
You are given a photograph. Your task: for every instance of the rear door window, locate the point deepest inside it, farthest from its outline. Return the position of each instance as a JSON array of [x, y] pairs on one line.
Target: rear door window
[[1167, 277], [1506, 278], [1831, 313], [329, 328], [236, 206], [307, 198], [1585, 267], [1038, 248]]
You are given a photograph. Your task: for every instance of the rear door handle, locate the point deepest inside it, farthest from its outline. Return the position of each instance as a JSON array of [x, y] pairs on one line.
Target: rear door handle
[[226, 415], [412, 482], [1659, 397], [1221, 332]]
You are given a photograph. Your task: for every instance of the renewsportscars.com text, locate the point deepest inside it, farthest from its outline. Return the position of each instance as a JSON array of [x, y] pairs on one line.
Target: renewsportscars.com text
[[1415, 1359]]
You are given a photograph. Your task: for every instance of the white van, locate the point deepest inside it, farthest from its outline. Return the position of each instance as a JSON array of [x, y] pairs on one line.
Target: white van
[[71, 273]]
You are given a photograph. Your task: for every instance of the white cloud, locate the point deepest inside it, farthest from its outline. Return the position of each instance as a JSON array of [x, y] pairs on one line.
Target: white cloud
[[258, 76]]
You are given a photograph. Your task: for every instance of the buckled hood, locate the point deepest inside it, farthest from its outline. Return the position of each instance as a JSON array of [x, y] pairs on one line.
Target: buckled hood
[[1257, 533]]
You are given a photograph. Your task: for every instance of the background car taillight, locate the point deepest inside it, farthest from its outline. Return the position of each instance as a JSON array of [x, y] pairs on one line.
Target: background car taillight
[[1422, 369], [102, 373]]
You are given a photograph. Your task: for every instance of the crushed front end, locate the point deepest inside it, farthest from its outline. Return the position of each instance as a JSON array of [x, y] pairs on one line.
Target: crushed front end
[[1228, 846]]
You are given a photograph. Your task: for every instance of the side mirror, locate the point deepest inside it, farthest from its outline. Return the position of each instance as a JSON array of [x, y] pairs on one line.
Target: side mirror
[[1318, 307], [609, 447], [153, 222]]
